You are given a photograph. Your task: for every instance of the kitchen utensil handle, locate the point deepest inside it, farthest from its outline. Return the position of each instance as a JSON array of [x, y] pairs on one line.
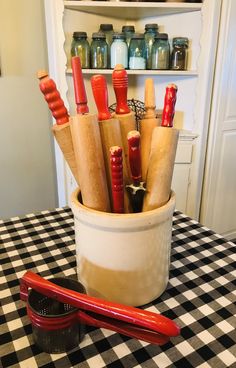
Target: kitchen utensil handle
[[149, 99], [120, 85], [142, 318], [53, 98], [169, 106], [117, 184], [100, 93], [122, 328], [79, 88], [134, 156]]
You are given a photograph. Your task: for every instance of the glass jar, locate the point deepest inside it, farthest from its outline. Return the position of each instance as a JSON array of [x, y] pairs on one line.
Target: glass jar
[[108, 30], [119, 50], [161, 52], [128, 32], [137, 52], [151, 30], [99, 51], [80, 47], [179, 55]]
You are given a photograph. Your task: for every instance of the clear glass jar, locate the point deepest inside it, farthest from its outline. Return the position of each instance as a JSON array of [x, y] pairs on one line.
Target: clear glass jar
[[80, 47], [179, 55], [99, 51], [108, 30], [119, 50], [128, 32], [151, 30], [161, 52], [137, 58]]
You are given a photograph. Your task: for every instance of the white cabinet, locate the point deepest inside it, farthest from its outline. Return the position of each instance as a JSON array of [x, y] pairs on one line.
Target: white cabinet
[[198, 22]]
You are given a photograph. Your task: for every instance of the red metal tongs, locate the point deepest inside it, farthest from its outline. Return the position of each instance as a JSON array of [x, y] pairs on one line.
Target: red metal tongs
[[130, 321]]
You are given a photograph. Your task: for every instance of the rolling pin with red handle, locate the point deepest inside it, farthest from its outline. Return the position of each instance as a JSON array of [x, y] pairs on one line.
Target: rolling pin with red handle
[[109, 129], [162, 155], [61, 129], [117, 183], [147, 124], [88, 148], [123, 113]]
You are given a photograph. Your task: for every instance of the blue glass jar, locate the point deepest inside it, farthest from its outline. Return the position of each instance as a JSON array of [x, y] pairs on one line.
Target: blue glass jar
[[128, 32], [99, 51], [161, 52], [137, 58], [151, 30], [80, 47]]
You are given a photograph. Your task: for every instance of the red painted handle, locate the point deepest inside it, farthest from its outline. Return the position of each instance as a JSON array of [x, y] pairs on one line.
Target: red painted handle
[[99, 88], [80, 93], [169, 106], [120, 85], [145, 319], [117, 179], [134, 156], [53, 98]]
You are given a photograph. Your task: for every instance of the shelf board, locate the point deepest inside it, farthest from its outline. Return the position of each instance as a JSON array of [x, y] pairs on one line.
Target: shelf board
[[141, 72], [131, 10]]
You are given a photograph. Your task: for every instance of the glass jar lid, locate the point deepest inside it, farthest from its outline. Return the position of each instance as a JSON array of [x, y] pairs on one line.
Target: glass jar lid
[[128, 29], [151, 26], [80, 35], [137, 36], [106, 27], [161, 36], [180, 41], [99, 35], [118, 36]]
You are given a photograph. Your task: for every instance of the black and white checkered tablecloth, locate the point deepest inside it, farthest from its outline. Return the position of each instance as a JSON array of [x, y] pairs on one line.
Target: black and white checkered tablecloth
[[200, 297]]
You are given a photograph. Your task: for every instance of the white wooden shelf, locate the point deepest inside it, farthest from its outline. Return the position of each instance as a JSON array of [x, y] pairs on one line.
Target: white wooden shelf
[[131, 10], [141, 72]]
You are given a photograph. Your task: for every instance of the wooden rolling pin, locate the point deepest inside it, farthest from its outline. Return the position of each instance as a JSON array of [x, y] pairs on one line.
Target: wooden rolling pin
[[123, 113], [61, 129], [109, 130], [147, 124], [162, 156], [88, 148]]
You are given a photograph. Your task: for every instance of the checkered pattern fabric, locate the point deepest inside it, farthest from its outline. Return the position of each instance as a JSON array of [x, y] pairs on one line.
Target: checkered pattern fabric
[[200, 297]]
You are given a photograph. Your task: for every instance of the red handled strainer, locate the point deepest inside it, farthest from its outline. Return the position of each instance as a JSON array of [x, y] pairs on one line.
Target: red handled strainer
[[59, 309]]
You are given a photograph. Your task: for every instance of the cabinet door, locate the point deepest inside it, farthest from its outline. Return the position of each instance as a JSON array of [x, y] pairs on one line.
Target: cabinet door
[[219, 194]]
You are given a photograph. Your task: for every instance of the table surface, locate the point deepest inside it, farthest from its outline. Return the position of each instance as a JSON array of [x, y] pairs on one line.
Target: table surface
[[200, 297]]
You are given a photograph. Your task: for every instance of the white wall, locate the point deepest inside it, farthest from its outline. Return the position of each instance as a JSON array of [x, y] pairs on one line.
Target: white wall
[[27, 170]]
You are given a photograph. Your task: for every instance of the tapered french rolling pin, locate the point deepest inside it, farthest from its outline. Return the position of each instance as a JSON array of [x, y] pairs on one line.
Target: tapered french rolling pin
[[147, 124], [61, 129], [109, 129], [123, 113], [117, 182], [137, 189], [88, 148], [162, 156]]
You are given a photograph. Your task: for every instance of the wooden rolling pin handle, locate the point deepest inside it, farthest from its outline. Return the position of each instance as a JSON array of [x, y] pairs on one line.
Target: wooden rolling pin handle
[[117, 179], [100, 93], [53, 98], [120, 85], [134, 156], [80, 93], [149, 99], [169, 106]]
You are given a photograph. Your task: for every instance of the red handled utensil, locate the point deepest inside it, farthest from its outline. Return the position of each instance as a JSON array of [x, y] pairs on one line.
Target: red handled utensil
[[162, 155], [136, 190], [117, 184], [133, 322], [109, 129], [61, 129], [123, 113], [88, 147]]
